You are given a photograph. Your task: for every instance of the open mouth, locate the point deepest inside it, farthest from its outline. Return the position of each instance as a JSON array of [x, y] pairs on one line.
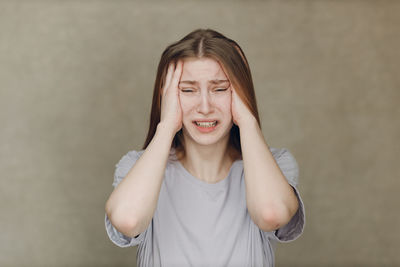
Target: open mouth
[[206, 124]]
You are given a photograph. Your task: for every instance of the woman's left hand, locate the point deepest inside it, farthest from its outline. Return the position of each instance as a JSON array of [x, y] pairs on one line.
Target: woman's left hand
[[240, 113]]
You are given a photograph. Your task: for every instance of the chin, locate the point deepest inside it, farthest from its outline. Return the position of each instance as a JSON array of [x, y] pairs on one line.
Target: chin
[[206, 139]]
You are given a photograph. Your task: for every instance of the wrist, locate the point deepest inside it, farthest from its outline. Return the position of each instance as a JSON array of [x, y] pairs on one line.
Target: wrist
[[165, 130], [248, 122]]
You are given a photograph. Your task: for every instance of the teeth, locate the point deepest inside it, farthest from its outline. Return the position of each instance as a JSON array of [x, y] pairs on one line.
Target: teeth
[[206, 124]]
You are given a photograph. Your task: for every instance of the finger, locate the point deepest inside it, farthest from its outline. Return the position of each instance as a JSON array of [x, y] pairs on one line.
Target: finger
[[177, 74], [233, 92], [168, 77], [233, 89]]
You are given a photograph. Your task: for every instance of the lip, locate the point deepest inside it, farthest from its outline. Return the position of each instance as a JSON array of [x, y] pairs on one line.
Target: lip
[[205, 129], [205, 120]]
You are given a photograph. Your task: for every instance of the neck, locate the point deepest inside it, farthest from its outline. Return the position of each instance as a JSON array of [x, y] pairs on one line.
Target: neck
[[209, 163]]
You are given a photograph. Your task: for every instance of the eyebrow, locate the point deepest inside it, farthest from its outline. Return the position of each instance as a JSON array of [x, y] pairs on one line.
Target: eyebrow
[[210, 81]]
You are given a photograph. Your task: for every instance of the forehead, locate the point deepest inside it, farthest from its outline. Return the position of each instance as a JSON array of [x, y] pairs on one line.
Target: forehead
[[202, 69]]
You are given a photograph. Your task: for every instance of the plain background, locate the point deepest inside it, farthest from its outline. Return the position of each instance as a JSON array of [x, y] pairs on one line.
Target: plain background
[[76, 81]]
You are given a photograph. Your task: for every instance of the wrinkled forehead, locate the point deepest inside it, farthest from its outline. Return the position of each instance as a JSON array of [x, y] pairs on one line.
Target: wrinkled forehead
[[202, 69]]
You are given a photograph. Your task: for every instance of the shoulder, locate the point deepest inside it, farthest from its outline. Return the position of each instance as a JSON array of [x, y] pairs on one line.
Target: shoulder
[[283, 155], [125, 164], [130, 156], [287, 163], [280, 152], [129, 159], [133, 154]]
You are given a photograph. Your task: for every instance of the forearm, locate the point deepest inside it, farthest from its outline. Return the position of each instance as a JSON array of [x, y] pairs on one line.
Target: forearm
[[132, 204], [271, 201]]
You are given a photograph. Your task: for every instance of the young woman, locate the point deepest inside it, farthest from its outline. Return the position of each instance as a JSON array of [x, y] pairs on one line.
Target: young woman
[[206, 190]]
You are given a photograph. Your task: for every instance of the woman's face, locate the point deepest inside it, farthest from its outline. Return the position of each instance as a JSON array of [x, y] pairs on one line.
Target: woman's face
[[205, 97]]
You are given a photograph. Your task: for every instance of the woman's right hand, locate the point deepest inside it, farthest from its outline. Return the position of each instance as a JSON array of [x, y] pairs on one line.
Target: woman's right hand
[[171, 111]]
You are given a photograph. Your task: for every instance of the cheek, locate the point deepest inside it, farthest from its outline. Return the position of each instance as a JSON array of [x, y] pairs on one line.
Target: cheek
[[186, 104], [225, 105]]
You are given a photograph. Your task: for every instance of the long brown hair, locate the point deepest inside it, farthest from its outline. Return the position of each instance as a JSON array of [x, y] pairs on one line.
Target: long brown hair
[[212, 44]]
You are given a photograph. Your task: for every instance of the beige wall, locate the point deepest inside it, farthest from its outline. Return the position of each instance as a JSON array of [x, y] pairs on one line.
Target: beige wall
[[76, 81]]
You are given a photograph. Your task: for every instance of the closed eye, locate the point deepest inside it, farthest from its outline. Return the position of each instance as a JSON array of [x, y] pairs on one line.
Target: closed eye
[[221, 89], [187, 90]]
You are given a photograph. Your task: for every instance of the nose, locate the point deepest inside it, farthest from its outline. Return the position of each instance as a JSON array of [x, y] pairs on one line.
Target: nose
[[205, 105]]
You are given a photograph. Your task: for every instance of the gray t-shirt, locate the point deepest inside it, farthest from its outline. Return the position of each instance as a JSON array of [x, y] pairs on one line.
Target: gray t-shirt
[[201, 224]]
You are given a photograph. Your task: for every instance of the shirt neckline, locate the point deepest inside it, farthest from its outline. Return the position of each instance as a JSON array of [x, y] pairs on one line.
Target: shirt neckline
[[215, 186]]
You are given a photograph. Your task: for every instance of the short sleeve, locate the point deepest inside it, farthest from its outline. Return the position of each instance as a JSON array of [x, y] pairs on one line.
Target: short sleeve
[[121, 170], [289, 167], [124, 165]]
